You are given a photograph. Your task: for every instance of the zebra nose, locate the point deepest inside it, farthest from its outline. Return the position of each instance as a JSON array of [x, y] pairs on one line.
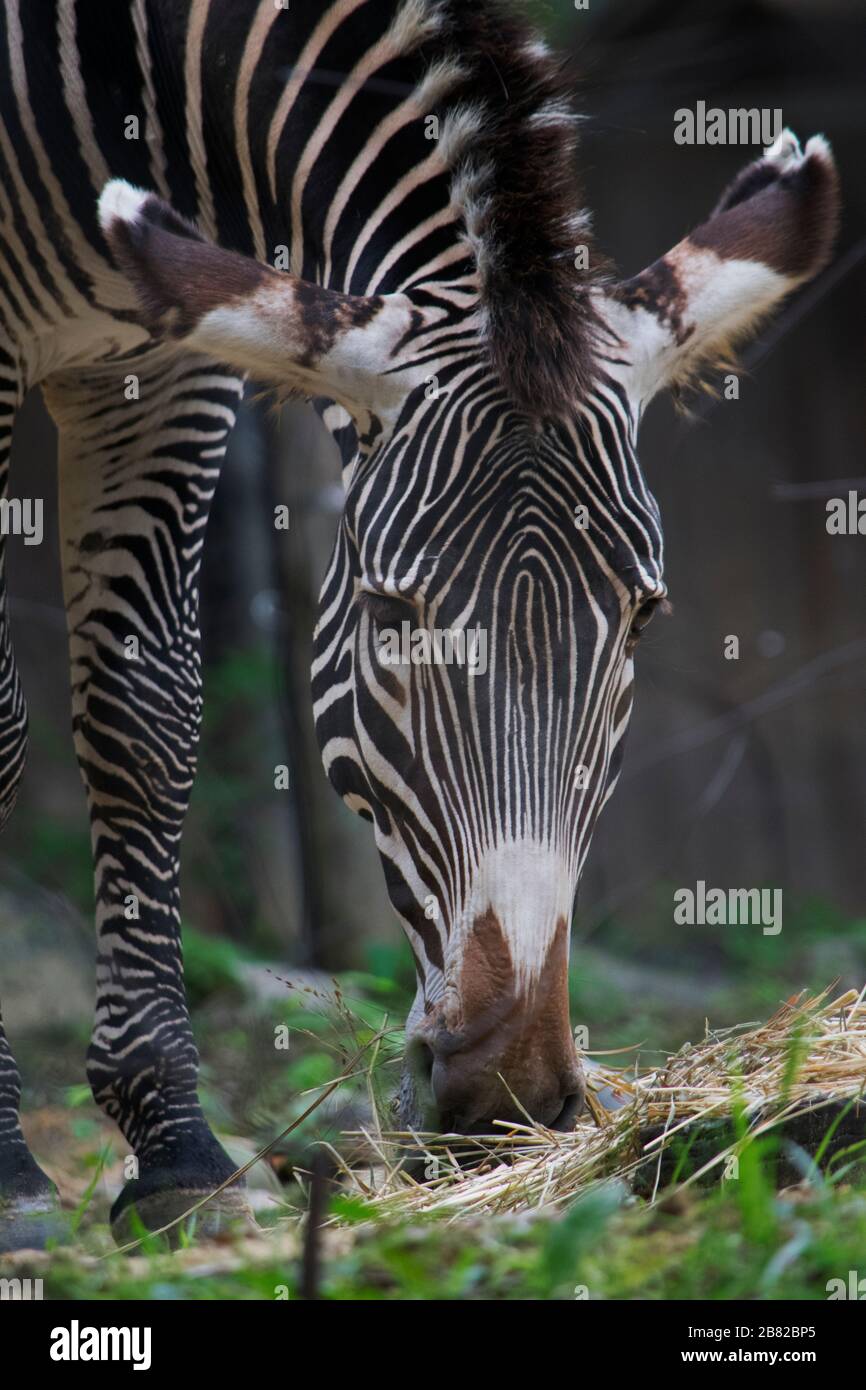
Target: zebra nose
[[471, 1091]]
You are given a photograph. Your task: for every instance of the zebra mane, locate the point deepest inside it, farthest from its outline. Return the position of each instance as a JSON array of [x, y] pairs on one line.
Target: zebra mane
[[509, 137]]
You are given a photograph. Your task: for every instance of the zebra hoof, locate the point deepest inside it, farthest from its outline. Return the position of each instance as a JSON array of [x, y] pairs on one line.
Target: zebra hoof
[[32, 1223], [30, 1213], [148, 1215]]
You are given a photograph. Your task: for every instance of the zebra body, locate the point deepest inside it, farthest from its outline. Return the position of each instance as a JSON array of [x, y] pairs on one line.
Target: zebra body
[[408, 165]]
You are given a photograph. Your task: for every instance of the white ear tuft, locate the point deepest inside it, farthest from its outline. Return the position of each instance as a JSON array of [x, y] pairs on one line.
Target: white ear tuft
[[786, 154], [120, 202], [784, 151], [819, 147]]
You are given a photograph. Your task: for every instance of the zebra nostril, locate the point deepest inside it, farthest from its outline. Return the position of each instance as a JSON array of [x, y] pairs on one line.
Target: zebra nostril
[[572, 1107], [419, 1065], [421, 1061]]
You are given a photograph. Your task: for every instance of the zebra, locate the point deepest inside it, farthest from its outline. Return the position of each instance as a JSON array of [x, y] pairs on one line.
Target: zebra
[[371, 204]]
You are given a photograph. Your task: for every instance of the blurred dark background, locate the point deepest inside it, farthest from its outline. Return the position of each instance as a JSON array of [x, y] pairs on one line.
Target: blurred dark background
[[742, 773]]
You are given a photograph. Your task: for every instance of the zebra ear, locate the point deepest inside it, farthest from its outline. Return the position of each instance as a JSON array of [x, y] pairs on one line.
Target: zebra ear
[[280, 329], [772, 229]]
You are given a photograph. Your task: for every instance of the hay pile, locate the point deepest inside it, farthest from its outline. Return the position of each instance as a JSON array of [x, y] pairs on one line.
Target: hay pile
[[807, 1063]]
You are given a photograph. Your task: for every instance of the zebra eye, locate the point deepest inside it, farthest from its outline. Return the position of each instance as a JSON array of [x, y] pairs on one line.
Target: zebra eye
[[641, 619], [384, 609]]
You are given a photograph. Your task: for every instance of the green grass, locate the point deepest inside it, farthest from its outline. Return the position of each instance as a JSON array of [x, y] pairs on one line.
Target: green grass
[[739, 1241]]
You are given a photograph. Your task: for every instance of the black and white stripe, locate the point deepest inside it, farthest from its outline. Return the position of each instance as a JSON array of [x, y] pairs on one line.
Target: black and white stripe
[[414, 160]]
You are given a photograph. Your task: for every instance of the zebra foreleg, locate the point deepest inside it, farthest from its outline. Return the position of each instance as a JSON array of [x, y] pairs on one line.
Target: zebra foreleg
[[141, 446], [28, 1199]]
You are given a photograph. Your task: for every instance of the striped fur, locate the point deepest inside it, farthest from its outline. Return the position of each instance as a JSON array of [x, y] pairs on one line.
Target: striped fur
[[413, 162]]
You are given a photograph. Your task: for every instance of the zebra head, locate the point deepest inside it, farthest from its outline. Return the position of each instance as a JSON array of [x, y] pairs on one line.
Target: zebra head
[[498, 556]]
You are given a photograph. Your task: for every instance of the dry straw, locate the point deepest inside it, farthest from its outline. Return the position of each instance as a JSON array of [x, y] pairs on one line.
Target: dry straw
[[811, 1052]]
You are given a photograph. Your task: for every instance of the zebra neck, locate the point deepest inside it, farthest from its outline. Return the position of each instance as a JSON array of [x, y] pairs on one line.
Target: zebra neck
[[317, 115], [381, 145]]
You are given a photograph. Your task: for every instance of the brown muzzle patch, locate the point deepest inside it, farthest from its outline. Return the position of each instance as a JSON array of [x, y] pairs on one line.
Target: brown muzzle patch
[[507, 1051]]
